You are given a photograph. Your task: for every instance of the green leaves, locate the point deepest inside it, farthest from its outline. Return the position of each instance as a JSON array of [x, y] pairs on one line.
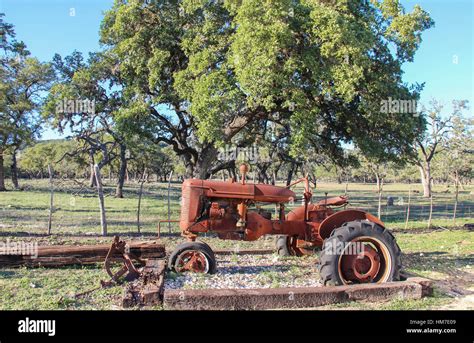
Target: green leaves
[[157, 67], [259, 49], [23, 80], [318, 68], [405, 31]]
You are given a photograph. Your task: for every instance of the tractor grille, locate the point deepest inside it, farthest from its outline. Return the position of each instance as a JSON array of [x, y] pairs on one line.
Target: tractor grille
[[190, 201]]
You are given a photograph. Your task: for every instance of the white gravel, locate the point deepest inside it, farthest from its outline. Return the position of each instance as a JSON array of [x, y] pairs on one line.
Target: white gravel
[[251, 271]]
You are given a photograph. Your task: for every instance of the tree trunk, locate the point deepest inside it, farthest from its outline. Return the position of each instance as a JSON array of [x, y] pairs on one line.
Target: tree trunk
[[189, 169], [289, 176], [233, 174], [202, 167], [14, 171], [262, 173], [205, 163], [2, 174], [92, 180], [425, 173], [122, 171]]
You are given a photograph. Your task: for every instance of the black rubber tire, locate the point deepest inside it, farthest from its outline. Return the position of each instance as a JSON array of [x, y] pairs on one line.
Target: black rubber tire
[[282, 245], [328, 266], [203, 247]]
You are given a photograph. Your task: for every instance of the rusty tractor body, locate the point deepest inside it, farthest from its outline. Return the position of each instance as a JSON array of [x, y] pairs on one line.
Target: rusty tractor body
[[233, 210]]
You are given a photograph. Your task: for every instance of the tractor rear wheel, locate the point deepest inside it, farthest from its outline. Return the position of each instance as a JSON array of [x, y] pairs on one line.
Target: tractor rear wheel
[[196, 257], [360, 252]]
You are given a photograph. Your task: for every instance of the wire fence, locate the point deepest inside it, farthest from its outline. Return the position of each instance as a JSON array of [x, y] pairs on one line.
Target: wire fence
[[76, 206]]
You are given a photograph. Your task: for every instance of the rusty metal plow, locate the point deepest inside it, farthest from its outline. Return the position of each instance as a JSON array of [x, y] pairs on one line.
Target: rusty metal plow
[[120, 253]]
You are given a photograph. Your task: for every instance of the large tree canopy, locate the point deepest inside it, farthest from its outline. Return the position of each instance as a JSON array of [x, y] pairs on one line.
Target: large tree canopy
[[97, 124], [202, 73], [23, 81]]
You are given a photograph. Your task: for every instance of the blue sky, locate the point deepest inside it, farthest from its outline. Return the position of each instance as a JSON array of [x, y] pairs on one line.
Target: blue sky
[[444, 61]]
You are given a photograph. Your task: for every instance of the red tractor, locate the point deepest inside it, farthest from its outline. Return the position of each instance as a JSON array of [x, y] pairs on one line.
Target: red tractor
[[355, 245]]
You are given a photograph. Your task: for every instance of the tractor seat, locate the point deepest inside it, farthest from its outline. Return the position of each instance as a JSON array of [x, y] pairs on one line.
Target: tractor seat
[[336, 201]]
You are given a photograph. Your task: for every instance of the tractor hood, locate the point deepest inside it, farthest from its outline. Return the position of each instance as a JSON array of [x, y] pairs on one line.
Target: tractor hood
[[236, 190]]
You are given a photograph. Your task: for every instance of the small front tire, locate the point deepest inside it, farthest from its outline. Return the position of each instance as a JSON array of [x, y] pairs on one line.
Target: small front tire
[[196, 257]]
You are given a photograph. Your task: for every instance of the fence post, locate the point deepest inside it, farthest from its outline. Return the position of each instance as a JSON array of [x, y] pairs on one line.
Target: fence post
[[140, 192], [379, 210], [51, 198], [408, 207], [431, 210], [169, 206], [100, 191], [456, 198]]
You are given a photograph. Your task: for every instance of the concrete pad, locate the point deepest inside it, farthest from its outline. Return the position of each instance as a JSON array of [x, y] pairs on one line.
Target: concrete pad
[[426, 285], [282, 298], [387, 291]]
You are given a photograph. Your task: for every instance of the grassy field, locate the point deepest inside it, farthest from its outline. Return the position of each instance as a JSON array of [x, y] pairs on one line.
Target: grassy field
[[444, 253]]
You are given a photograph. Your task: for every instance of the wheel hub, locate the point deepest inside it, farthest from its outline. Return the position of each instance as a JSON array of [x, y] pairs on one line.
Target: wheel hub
[[192, 261], [362, 267]]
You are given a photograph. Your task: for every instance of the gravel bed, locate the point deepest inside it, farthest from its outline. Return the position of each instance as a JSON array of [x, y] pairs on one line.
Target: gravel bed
[[251, 271]]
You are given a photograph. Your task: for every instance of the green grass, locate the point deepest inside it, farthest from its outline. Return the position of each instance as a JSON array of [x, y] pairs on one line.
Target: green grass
[[55, 289], [443, 254], [452, 242]]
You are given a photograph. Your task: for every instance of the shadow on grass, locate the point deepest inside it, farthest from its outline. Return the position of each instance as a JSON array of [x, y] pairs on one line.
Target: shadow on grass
[[454, 280], [428, 230], [438, 261], [7, 274]]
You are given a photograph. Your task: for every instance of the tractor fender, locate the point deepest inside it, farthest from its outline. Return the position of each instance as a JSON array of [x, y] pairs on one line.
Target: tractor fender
[[339, 218]]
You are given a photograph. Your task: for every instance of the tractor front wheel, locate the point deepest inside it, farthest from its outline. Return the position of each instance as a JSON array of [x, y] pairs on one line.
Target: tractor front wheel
[[194, 257], [360, 252]]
